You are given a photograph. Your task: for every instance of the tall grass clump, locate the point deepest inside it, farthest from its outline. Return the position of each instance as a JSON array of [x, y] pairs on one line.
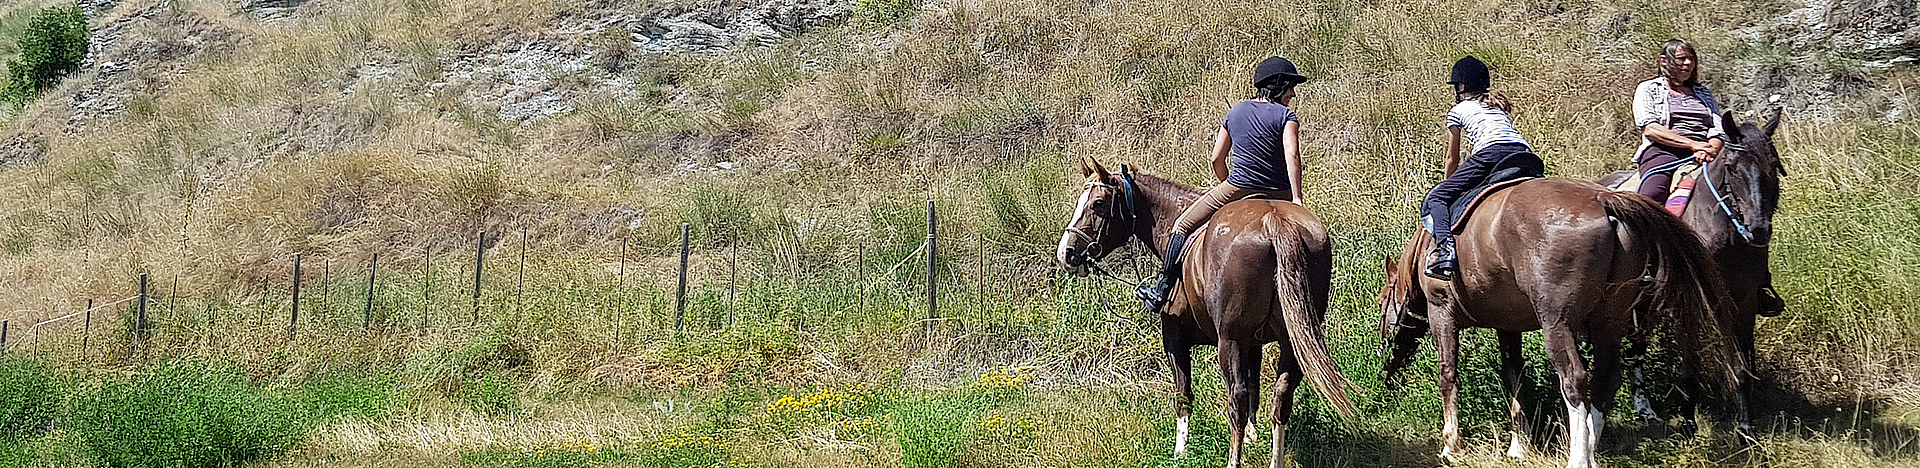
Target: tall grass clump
[[50, 48], [186, 414]]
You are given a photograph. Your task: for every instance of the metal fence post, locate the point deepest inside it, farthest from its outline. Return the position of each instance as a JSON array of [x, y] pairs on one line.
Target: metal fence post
[[680, 305], [293, 322], [932, 247], [479, 260], [373, 268]]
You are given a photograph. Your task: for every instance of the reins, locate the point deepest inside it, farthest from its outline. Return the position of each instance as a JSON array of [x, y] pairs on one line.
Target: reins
[[1127, 190], [1713, 189]]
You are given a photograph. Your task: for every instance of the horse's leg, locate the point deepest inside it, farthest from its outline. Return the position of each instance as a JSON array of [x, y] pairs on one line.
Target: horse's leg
[[1180, 358], [1240, 369], [1605, 383], [1637, 384], [1512, 364], [1446, 340], [1564, 350], [1287, 371]]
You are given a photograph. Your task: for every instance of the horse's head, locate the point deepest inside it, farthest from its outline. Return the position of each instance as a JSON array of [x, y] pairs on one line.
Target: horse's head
[[1103, 218], [1747, 177], [1400, 297]]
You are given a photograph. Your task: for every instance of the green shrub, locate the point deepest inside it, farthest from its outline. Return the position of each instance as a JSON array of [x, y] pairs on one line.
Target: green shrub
[[491, 394], [885, 12], [187, 414], [28, 397], [349, 395], [932, 432], [50, 48]]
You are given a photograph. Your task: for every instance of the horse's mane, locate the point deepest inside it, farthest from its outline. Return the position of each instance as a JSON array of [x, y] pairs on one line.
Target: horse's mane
[[1156, 183]]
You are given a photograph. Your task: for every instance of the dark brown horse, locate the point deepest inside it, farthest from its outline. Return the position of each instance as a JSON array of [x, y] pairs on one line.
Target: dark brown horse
[[1582, 265], [1731, 211], [1258, 273]]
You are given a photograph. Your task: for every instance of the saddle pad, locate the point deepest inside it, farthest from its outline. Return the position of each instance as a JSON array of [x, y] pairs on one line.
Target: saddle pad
[[1632, 183], [1464, 207]]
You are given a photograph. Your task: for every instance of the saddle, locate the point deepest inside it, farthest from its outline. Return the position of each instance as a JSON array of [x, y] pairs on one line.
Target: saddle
[[1679, 189], [1464, 206]]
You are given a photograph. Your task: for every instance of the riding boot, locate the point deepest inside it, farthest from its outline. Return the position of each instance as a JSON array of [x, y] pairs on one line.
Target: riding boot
[[1770, 303], [1443, 265], [1155, 294]]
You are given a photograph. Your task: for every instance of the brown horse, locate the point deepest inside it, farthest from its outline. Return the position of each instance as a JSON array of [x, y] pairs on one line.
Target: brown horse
[[1731, 211], [1258, 273], [1582, 265]]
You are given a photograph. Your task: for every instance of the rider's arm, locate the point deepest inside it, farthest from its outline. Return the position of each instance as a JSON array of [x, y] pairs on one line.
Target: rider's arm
[[1222, 146], [1662, 135], [1290, 145], [1453, 151]]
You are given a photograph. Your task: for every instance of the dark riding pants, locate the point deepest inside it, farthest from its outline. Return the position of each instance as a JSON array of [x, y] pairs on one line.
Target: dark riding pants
[[1474, 172], [1655, 186]]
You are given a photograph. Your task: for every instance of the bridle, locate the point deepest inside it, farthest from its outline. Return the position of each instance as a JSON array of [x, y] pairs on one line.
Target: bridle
[[1086, 256], [1731, 210]]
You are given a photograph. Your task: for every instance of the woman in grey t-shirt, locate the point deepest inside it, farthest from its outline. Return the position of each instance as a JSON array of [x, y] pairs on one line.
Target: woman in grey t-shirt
[[1262, 138]]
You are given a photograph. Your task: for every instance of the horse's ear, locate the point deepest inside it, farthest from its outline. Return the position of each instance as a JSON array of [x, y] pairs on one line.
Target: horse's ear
[[1732, 126], [1773, 123], [1099, 171], [1085, 170]]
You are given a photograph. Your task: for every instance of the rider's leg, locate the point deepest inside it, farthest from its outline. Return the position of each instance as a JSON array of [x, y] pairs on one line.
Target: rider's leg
[[1439, 205], [1654, 186], [1155, 294]]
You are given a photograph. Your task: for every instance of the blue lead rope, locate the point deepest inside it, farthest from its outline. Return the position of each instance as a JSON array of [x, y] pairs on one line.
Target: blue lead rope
[[1715, 191]]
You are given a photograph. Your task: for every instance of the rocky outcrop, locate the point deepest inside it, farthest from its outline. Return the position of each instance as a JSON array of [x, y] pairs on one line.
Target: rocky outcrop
[[695, 28], [1827, 59]]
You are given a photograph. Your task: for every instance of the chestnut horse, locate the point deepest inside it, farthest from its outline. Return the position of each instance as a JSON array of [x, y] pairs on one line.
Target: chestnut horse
[[1580, 263], [1258, 273], [1731, 211]]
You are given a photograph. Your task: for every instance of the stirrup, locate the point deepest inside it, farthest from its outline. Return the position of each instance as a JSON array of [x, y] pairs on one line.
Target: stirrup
[[1770, 303], [1152, 294]]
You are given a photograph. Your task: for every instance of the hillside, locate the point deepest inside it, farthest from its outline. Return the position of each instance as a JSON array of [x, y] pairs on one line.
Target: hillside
[[206, 143]]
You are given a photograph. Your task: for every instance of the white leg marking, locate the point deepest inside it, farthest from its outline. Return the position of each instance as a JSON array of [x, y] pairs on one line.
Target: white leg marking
[[1279, 447], [1517, 449], [1253, 435], [1180, 437], [1579, 441], [1596, 421]]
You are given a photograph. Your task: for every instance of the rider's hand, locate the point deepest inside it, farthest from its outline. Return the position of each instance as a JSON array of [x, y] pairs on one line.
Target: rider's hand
[[1703, 156]]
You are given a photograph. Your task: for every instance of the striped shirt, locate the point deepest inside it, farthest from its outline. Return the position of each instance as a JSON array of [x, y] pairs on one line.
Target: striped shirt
[[1486, 126]]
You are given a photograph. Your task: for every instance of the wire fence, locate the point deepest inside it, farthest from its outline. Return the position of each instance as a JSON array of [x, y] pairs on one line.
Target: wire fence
[[948, 283]]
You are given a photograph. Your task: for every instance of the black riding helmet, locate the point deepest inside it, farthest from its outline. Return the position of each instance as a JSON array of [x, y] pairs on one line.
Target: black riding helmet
[[1471, 72], [1276, 68]]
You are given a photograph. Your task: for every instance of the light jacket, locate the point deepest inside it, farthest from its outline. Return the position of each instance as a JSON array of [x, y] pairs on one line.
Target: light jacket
[[1650, 107]]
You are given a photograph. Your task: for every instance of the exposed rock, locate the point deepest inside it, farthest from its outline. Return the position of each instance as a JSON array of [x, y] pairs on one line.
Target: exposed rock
[[1821, 61], [23, 148], [718, 26]]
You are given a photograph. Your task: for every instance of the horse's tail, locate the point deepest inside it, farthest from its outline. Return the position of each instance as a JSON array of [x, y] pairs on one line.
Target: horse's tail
[[1303, 302], [1686, 294]]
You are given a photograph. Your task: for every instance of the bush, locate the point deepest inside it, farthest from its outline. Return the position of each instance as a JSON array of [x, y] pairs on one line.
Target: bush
[[186, 415], [50, 48], [28, 398], [491, 394]]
